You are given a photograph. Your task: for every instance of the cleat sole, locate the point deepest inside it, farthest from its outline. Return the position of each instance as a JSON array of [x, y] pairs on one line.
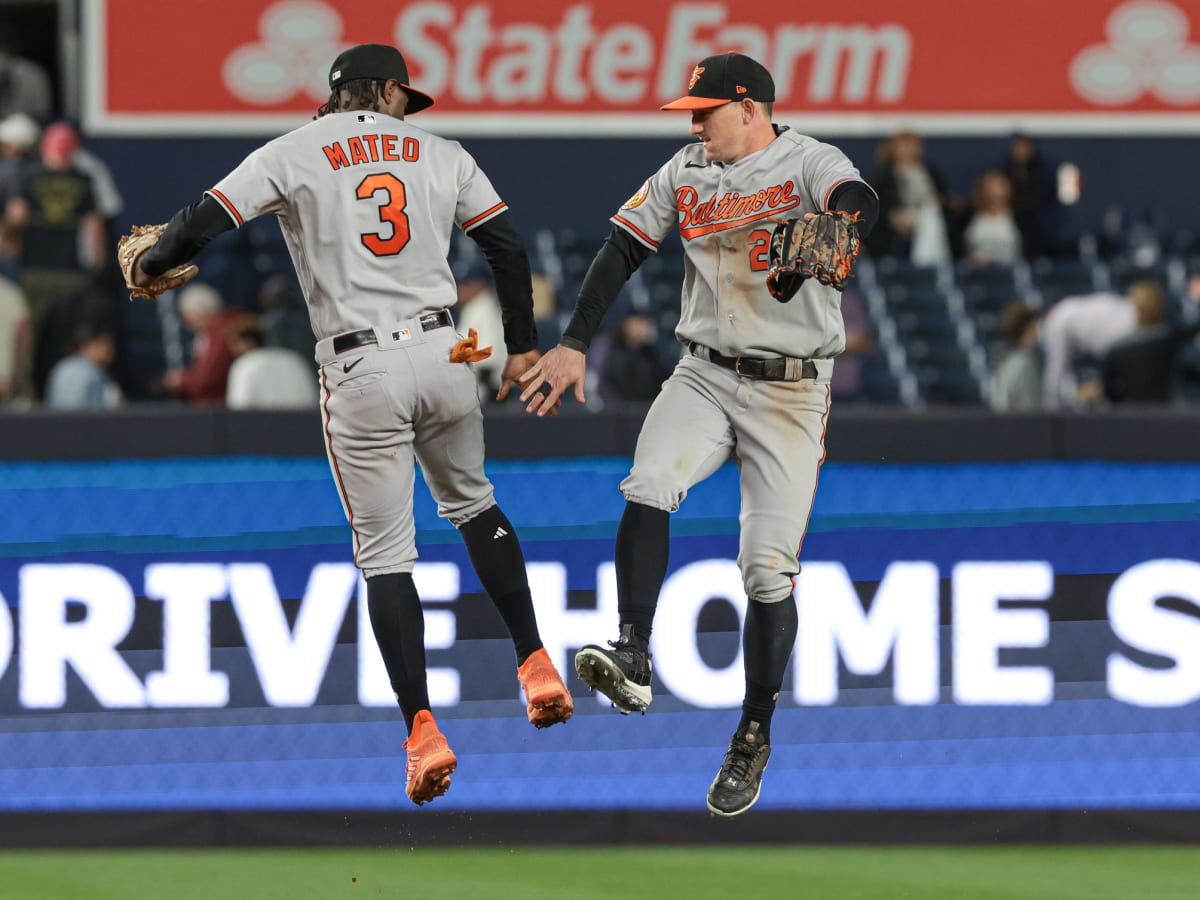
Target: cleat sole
[[737, 812], [433, 782], [599, 674]]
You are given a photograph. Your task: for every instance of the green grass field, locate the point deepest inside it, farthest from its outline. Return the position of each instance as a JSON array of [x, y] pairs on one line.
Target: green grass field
[[696, 873]]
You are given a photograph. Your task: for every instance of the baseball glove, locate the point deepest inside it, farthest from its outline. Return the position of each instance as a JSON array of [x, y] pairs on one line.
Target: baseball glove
[[823, 246], [133, 245]]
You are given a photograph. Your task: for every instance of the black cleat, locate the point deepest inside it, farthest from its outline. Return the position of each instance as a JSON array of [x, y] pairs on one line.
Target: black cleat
[[737, 785], [622, 674]]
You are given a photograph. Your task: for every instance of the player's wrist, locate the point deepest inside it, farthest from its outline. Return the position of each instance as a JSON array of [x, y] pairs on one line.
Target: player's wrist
[[573, 343]]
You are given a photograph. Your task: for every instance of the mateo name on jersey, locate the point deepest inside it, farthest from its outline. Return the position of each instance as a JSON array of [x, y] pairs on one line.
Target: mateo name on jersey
[[731, 208], [372, 148]]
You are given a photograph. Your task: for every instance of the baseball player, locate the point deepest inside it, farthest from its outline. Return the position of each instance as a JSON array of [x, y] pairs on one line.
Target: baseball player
[[753, 382], [367, 203]]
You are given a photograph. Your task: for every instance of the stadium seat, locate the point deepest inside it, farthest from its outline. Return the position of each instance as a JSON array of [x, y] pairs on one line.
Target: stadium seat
[[879, 385], [1057, 278]]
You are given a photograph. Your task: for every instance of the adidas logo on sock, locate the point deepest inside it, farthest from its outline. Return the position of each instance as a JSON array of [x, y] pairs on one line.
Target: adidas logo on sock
[[500, 532]]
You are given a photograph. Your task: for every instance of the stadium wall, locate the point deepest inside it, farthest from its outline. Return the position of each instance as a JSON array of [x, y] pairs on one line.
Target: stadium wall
[[1000, 640]]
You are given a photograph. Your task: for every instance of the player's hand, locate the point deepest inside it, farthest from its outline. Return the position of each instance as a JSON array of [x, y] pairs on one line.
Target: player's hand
[[516, 366], [560, 368]]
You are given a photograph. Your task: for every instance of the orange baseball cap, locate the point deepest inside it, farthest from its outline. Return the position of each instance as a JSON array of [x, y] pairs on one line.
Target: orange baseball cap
[[724, 78]]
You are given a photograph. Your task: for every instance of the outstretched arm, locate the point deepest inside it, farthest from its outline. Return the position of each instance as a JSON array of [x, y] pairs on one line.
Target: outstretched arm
[[187, 232], [566, 364], [501, 244]]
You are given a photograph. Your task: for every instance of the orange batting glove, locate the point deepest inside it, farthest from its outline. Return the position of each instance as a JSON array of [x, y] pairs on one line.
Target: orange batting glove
[[467, 349]]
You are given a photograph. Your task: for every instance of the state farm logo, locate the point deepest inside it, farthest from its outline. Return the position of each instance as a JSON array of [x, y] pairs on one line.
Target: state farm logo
[[476, 54], [1147, 53], [299, 40]]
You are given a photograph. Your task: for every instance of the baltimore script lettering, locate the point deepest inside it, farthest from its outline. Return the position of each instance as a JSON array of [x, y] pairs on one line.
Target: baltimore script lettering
[[731, 209]]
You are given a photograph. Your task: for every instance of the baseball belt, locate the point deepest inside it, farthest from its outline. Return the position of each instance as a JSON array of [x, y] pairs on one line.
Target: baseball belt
[[366, 337], [775, 368]]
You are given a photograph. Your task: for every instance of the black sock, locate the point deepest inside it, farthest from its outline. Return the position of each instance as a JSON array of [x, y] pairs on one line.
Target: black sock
[[496, 556], [643, 546], [759, 706], [399, 627], [767, 643]]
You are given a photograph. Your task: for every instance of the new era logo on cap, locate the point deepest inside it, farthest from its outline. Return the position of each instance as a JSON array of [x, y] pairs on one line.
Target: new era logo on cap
[[723, 78]]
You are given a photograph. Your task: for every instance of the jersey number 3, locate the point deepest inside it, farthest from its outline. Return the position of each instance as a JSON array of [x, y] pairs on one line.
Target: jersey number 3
[[391, 212]]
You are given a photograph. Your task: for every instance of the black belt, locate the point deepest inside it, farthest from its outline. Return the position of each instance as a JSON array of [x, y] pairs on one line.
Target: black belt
[[352, 339], [772, 369]]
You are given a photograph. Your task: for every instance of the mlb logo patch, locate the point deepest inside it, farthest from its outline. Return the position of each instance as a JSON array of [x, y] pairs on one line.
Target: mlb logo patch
[[366, 119], [402, 335]]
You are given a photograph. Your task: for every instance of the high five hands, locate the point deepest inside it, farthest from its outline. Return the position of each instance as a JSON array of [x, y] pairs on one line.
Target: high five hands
[[517, 369], [560, 368]]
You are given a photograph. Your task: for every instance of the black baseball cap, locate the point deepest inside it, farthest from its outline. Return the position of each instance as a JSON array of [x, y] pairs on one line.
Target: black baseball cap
[[378, 62], [724, 78]]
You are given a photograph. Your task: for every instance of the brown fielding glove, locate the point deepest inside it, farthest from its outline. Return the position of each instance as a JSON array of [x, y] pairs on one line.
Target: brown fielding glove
[[467, 349], [823, 246], [133, 245]]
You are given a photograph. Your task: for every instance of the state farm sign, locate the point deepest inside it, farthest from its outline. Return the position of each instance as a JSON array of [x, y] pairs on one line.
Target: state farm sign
[[523, 68]]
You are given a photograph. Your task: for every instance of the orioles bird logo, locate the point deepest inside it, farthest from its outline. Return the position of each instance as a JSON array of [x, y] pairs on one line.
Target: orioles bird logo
[[696, 73]]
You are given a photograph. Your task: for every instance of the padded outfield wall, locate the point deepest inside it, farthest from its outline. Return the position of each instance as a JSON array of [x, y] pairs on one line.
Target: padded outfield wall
[[1004, 641]]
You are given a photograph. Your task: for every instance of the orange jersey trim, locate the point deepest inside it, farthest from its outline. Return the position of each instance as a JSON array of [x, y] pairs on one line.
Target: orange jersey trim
[[333, 462], [495, 210], [636, 232], [817, 478], [229, 207]]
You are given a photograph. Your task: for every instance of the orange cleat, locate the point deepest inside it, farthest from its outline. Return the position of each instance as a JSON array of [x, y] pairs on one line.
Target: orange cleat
[[549, 701], [430, 760]]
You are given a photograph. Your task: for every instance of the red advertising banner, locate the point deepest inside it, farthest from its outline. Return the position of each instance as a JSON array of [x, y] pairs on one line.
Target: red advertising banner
[[526, 68]]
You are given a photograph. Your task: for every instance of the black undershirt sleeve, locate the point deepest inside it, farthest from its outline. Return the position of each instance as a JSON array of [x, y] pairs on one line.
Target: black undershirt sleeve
[[505, 251], [187, 232], [854, 196], [614, 263]]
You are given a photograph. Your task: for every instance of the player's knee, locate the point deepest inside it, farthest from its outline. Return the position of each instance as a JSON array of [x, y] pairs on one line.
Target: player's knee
[[767, 579], [644, 488], [461, 510]]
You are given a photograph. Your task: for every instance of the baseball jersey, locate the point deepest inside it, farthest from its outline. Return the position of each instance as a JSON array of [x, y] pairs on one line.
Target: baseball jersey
[[366, 203], [725, 215]]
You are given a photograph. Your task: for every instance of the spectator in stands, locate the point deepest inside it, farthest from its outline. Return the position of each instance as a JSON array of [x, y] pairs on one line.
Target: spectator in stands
[[1084, 328], [264, 377], [1034, 196], [479, 308], [16, 341], [100, 305], [24, 84], [283, 317], [633, 369], [109, 202], [204, 313], [18, 149], [1017, 381], [846, 385], [63, 235], [913, 204], [992, 237], [82, 380], [1142, 367]]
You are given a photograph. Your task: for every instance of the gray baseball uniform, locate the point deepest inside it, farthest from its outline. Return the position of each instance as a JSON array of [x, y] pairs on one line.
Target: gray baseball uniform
[[367, 203], [706, 412]]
